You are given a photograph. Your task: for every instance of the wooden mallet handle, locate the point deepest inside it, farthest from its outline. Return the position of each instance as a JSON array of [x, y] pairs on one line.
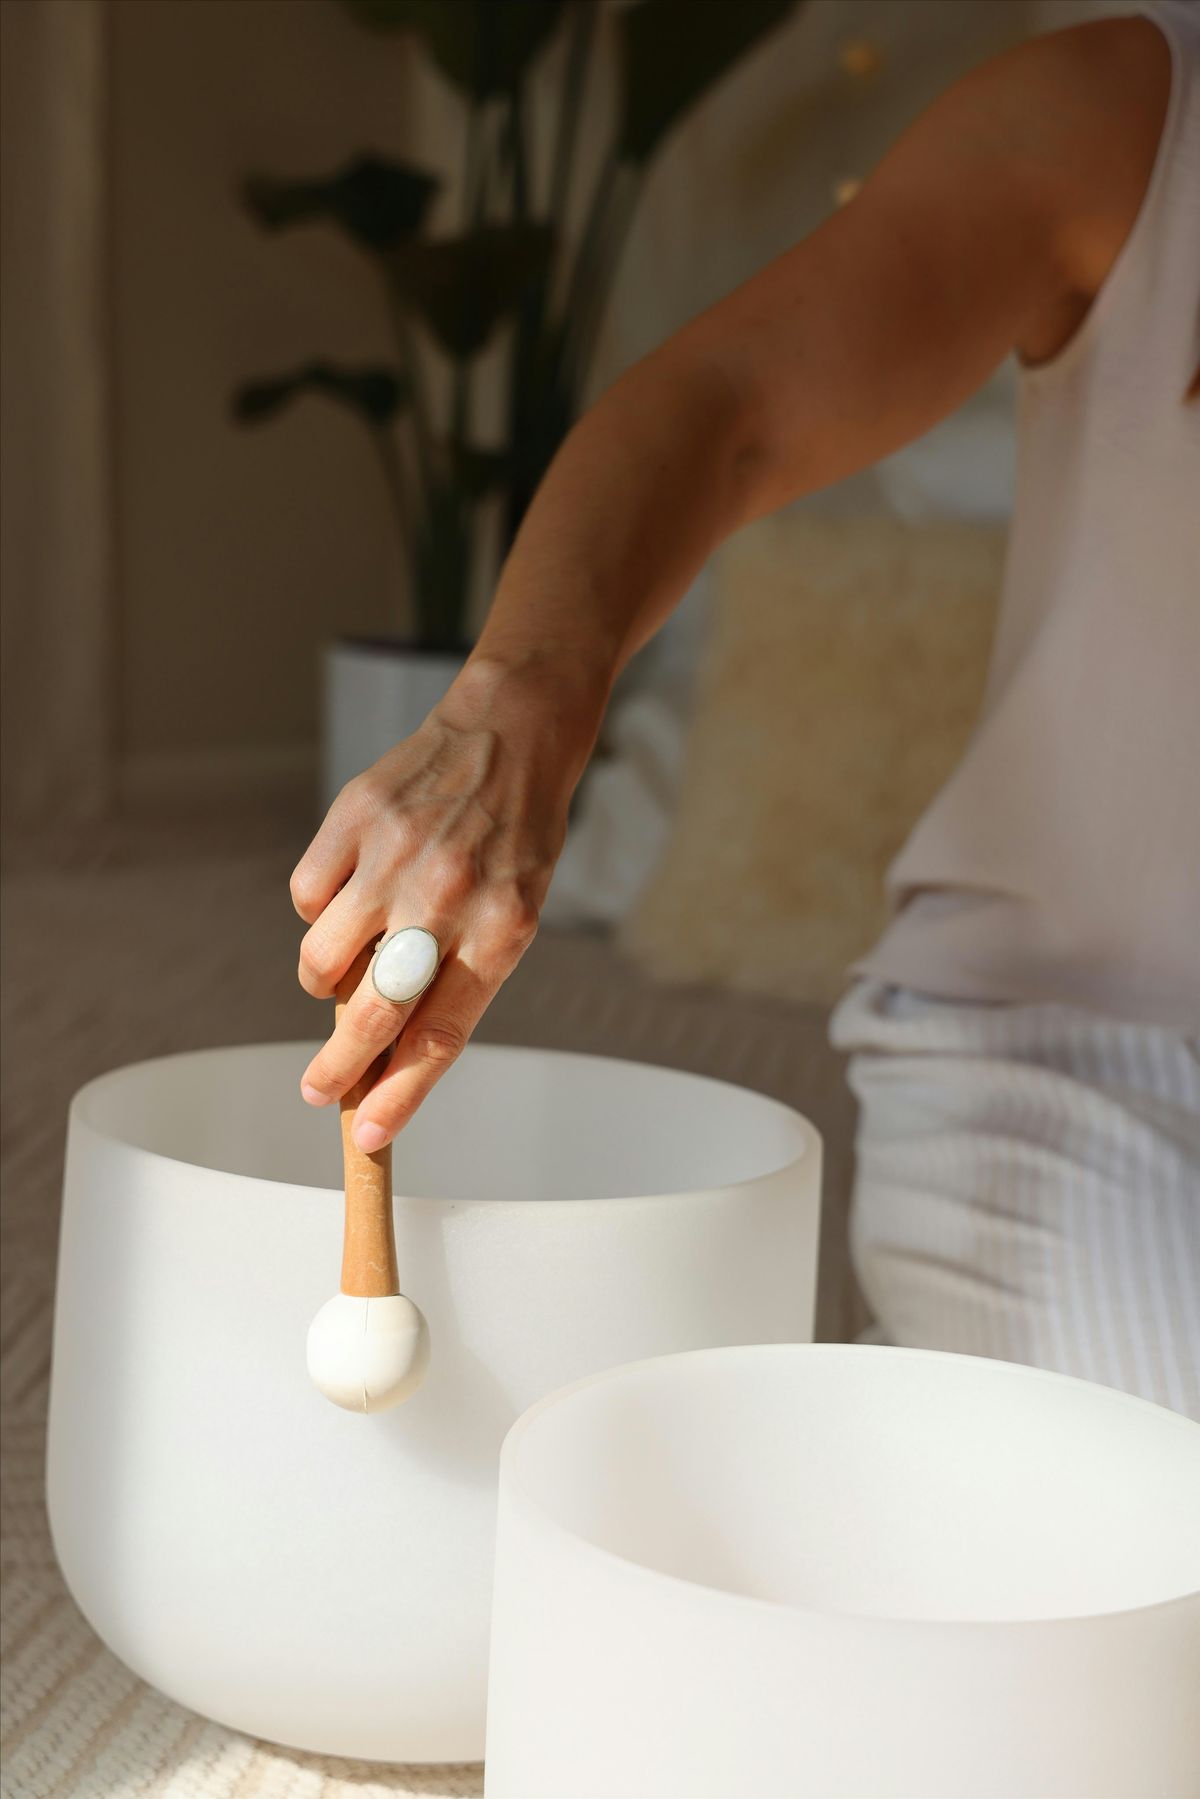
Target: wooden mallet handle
[[369, 1247]]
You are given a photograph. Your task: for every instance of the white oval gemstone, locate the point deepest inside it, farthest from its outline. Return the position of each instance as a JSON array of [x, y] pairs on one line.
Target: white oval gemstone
[[405, 964]]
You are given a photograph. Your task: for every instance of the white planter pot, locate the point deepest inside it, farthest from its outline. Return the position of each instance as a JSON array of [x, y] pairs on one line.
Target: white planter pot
[[321, 1578], [843, 1572], [375, 692]]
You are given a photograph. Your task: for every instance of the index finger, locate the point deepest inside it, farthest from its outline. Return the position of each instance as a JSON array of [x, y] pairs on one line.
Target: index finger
[[330, 858]]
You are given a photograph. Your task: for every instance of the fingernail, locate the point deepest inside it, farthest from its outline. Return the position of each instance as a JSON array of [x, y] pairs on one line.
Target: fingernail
[[314, 1096], [370, 1136]]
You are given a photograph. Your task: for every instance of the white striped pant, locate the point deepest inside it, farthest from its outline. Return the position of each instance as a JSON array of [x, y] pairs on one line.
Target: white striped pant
[[1028, 1186]]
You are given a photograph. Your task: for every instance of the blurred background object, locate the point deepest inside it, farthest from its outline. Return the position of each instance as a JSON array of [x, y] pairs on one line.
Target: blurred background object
[[510, 262], [216, 562], [842, 676], [458, 483], [171, 580]]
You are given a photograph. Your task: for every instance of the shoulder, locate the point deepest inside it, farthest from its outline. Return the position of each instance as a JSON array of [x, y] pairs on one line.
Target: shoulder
[[1050, 147], [1122, 63], [1069, 120], [1077, 115], [1104, 88]]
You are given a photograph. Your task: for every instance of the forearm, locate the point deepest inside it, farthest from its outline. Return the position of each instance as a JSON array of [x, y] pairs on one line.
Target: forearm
[[711, 431], [644, 488]]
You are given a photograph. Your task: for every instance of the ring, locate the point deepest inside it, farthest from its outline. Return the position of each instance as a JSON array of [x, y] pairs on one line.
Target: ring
[[405, 963]]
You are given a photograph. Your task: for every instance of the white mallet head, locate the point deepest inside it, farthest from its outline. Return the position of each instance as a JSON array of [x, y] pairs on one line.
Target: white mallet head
[[368, 1354]]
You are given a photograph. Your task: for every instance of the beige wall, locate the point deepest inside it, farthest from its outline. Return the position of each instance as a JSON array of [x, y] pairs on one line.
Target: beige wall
[[240, 551], [56, 569]]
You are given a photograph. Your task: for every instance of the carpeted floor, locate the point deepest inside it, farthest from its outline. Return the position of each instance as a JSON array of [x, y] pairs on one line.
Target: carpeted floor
[[182, 938]]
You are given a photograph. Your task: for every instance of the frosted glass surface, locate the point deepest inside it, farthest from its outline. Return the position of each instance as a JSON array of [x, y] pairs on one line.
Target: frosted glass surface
[[542, 1125], [846, 1572], [319, 1578]]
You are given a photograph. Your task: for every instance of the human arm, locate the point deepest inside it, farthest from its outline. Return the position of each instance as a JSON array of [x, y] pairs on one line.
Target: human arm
[[989, 226]]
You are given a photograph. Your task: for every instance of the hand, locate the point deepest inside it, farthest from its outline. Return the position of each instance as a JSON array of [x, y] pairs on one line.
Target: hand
[[458, 829]]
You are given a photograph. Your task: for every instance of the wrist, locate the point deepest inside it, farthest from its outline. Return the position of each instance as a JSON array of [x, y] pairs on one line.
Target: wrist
[[553, 676], [552, 700]]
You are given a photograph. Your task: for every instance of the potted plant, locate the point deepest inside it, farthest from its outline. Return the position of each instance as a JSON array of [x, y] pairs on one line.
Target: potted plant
[[510, 262]]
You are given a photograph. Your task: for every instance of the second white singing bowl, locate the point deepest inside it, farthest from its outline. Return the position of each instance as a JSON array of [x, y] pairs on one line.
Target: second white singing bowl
[[318, 1577], [845, 1572]]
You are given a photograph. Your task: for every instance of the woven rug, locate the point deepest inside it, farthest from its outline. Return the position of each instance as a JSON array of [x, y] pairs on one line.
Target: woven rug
[[74, 1721]]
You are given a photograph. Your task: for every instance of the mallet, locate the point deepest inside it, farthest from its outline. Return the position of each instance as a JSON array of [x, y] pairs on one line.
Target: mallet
[[368, 1347]]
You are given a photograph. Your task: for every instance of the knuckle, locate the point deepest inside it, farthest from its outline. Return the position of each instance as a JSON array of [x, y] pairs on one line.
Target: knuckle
[[375, 1020], [322, 1076], [451, 877], [305, 892], [319, 958], [330, 1075], [397, 1100], [312, 984], [385, 1111], [511, 918], [357, 802], [360, 794], [402, 836], [439, 1043]]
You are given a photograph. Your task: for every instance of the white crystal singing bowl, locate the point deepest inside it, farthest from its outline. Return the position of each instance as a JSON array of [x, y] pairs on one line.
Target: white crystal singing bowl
[[845, 1572], [321, 1578]]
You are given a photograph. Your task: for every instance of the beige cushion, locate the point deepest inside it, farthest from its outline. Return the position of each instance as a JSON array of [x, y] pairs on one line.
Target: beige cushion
[[843, 673]]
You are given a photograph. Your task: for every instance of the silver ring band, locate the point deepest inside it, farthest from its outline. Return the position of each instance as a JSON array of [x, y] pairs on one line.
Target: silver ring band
[[405, 963]]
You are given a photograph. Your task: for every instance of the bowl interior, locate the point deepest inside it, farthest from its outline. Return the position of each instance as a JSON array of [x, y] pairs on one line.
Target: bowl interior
[[502, 1124], [875, 1482]]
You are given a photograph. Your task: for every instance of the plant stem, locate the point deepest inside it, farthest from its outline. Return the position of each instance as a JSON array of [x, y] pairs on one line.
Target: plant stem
[[393, 476], [474, 197], [472, 189], [593, 231], [458, 413], [419, 404], [555, 397], [587, 256], [590, 317], [583, 19], [523, 396], [514, 134]]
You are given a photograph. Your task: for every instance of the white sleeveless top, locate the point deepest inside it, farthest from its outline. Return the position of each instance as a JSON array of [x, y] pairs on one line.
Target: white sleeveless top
[[1062, 859]]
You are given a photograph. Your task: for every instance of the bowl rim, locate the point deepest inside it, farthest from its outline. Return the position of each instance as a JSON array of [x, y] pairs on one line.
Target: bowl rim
[[514, 1491], [808, 1142]]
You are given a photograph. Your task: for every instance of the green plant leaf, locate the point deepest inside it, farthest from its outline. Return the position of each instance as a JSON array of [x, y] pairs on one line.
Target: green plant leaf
[[671, 51], [376, 394], [482, 46], [464, 286], [376, 202]]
